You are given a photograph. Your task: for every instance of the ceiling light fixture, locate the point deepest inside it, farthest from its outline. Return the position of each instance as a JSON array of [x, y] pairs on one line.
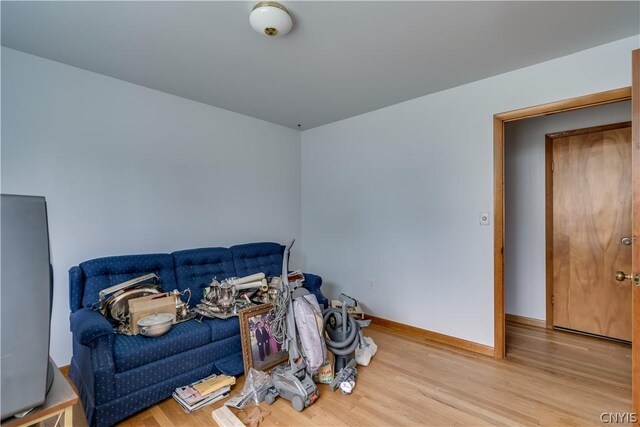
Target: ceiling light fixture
[[270, 18]]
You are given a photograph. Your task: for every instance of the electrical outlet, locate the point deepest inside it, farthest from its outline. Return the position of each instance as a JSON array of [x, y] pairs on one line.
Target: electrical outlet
[[370, 284], [484, 218]]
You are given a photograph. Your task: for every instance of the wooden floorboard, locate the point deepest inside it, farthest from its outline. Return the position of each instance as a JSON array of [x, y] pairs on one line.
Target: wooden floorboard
[[549, 378]]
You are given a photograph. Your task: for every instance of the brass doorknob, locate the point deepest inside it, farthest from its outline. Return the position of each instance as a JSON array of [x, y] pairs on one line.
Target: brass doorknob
[[621, 276]]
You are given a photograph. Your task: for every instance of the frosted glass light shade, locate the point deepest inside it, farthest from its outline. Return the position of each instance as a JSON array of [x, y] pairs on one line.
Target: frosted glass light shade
[[270, 19]]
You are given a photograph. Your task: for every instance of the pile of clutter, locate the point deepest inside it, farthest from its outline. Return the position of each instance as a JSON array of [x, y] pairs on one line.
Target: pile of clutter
[[204, 392], [343, 348], [346, 343], [323, 347], [142, 306], [225, 299]]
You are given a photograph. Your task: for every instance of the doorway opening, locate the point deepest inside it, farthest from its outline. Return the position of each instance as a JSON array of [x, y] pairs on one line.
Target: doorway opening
[[526, 324], [568, 220], [500, 120]]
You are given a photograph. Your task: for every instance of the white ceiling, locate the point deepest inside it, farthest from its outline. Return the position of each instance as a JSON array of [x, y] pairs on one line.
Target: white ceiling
[[341, 58]]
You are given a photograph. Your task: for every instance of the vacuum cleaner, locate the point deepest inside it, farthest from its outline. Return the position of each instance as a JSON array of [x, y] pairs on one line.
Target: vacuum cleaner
[[344, 332], [292, 381]]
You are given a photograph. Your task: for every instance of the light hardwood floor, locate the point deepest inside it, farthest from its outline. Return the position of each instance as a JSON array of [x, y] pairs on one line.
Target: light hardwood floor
[[549, 378]]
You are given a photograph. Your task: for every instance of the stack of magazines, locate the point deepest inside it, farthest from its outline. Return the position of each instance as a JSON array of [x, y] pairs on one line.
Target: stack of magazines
[[203, 392]]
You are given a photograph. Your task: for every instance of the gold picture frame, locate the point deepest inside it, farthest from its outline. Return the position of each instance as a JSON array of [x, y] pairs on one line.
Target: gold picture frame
[[260, 350]]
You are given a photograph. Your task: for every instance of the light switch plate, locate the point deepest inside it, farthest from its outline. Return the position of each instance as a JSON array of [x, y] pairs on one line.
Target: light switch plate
[[485, 219]]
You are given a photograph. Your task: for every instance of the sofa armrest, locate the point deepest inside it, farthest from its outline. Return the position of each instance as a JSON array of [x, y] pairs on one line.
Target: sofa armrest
[[87, 325], [76, 284], [313, 282], [93, 341]]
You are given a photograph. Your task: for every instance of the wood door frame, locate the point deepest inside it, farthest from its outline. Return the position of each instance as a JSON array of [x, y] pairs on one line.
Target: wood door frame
[[635, 227], [548, 204], [592, 100]]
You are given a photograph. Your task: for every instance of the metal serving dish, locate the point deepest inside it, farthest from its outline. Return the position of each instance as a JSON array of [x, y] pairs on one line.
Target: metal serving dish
[[155, 325], [117, 305]]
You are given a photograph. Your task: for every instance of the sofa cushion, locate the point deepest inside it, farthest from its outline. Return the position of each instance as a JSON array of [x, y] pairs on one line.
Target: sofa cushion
[[196, 267], [101, 273], [132, 351], [254, 258]]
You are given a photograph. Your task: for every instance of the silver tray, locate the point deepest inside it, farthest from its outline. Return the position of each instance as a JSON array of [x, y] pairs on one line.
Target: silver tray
[[117, 305]]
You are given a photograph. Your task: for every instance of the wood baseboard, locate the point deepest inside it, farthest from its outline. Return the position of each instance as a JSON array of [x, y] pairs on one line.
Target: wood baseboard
[[65, 370], [523, 320], [425, 334]]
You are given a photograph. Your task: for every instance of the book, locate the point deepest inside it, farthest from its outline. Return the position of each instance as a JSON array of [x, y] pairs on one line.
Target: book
[[189, 395], [212, 398], [203, 392], [213, 383]]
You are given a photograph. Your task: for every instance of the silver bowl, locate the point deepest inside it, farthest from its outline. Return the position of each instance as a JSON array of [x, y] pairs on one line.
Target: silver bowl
[[155, 325]]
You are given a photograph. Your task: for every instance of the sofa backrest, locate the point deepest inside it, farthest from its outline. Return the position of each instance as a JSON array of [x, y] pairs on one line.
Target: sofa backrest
[[258, 257], [196, 267], [100, 273], [192, 268]]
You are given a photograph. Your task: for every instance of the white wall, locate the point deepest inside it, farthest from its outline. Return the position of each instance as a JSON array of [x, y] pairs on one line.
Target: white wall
[[126, 169], [393, 196], [524, 251], [390, 199]]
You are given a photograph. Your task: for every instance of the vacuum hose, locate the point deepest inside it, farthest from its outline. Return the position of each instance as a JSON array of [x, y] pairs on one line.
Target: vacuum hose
[[350, 343]]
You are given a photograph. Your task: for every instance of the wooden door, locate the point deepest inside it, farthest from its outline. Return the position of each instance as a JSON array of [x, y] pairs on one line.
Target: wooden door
[[635, 263], [591, 220]]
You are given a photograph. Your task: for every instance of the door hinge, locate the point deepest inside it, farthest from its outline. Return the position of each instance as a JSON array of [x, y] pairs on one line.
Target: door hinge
[[553, 299], [552, 166]]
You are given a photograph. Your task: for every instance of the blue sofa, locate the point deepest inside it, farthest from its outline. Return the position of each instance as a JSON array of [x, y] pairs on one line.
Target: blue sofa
[[118, 375]]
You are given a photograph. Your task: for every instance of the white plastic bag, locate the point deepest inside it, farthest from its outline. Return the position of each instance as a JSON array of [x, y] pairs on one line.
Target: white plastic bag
[[254, 390], [364, 355]]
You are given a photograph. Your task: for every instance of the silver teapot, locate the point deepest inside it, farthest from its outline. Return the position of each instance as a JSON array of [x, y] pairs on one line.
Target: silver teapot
[[224, 294], [227, 296], [212, 292], [182, 308]]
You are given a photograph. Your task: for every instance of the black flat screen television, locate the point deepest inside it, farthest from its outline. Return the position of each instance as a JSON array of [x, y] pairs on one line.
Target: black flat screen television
[[26, 291]]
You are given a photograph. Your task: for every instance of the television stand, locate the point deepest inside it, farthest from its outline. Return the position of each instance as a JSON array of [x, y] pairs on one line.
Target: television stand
[[58, 403]]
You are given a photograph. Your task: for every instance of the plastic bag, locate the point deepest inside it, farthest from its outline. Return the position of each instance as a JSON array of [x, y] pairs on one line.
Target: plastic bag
[[254, 390], [325, 373], [364, 354]]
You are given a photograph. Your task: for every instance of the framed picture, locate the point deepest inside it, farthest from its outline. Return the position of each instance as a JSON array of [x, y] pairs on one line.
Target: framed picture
[[259, 347]]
